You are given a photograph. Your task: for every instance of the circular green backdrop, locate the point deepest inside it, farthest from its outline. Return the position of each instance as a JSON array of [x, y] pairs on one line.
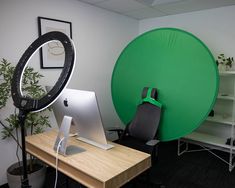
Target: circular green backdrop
[[183, 70]]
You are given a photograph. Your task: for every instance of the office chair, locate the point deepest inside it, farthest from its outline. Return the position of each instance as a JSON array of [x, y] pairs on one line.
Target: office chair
[[140, 133]]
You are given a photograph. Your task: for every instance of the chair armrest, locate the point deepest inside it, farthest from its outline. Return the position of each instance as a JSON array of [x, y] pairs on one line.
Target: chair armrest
[[152, 142], [119, 131]]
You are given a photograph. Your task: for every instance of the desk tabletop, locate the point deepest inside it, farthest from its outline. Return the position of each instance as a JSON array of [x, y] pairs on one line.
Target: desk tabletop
[[94, 167]]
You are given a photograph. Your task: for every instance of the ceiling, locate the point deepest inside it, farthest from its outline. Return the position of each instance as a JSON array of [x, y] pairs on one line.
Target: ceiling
[[142, 9]]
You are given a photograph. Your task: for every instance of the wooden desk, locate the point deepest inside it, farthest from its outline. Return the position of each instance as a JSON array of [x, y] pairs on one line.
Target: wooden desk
[[94, 167]]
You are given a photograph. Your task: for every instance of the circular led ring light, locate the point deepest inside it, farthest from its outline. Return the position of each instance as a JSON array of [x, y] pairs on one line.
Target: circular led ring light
[[35, 105]]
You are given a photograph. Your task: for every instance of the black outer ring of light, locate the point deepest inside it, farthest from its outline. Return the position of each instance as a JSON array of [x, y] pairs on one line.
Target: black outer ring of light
[[29, 104]]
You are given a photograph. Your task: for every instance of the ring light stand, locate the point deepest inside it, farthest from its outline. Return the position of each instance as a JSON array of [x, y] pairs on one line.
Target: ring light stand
[[26, 104]]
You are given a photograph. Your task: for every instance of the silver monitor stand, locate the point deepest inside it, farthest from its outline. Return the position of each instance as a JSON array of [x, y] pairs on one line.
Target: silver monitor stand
[[62, 139], [99, 145]]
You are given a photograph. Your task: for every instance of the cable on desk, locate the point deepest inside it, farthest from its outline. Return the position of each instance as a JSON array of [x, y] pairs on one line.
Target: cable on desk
[[57, 153]]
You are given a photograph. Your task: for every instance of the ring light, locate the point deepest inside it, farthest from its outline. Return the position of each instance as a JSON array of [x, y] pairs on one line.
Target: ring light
[[27, 104], [35, 105]]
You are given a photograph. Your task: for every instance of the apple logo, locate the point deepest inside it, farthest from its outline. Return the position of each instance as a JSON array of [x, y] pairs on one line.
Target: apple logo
[[66, 102]]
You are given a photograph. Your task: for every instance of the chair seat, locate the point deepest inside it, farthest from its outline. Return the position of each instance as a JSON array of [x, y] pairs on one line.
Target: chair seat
[[136, 144]]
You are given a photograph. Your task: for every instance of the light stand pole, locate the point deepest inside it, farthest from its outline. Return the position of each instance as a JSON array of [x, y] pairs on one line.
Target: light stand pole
[[24, 182]]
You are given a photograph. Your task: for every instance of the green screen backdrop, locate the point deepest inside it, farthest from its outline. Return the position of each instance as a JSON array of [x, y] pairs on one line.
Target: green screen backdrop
[[183, 70]]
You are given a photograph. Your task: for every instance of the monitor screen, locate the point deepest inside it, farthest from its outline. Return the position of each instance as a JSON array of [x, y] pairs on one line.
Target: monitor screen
[[82, 106]]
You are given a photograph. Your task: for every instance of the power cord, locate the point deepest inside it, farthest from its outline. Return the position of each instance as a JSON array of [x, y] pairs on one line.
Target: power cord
[[56, 164]]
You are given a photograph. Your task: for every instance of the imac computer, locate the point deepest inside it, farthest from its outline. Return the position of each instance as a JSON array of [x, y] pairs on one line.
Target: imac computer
[[83, 109]]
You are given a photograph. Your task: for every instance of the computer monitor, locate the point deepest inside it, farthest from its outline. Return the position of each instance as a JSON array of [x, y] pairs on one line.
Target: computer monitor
[[82, 106]]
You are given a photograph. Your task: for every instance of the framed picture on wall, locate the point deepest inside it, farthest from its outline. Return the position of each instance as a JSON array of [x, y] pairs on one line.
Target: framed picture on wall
[[52, 54]]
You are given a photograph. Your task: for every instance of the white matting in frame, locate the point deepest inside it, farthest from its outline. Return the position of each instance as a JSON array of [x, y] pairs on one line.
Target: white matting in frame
[[52, 54]]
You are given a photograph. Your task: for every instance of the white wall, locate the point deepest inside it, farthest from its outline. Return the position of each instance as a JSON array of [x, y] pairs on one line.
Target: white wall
[[215, 27], [99, 36]]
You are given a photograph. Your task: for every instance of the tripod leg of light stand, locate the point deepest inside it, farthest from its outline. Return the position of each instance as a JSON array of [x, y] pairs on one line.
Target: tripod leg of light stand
[[24, 181]]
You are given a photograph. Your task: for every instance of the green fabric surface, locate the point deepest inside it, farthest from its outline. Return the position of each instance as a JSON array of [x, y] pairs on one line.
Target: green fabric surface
[[183, 70]]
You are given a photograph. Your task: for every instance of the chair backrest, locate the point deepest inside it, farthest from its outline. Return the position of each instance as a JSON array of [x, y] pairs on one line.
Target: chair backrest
[[147, 117]]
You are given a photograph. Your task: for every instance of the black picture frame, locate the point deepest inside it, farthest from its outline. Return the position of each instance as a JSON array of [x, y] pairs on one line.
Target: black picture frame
[[52, 54]]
